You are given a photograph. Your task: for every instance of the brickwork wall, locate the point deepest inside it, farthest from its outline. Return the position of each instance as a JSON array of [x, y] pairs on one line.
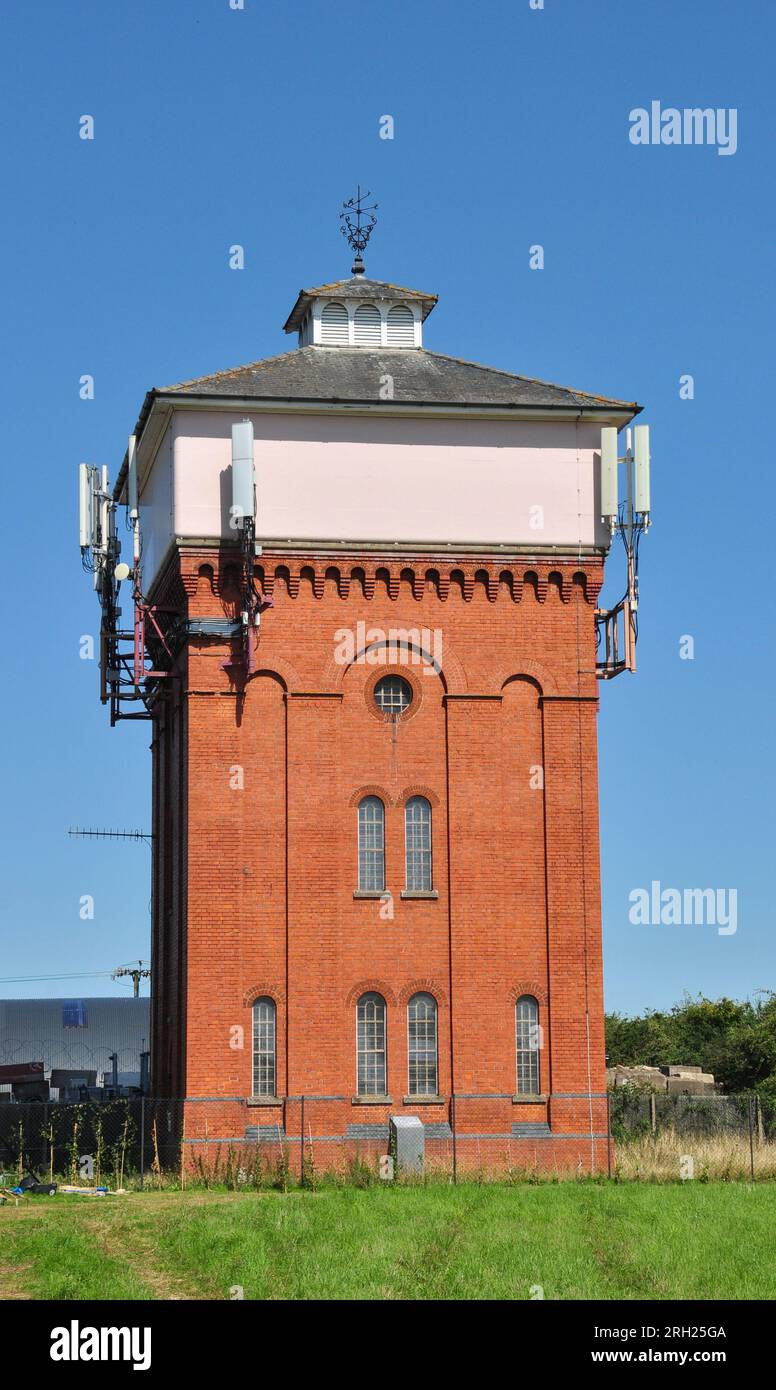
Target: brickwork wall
[[502, 741]]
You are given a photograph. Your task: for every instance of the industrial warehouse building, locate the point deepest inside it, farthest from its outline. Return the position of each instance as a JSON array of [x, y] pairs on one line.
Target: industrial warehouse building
[[59, 1048], [375, 812]]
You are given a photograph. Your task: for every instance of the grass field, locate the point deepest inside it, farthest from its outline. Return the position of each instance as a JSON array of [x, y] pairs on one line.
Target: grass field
[[575, 1240]]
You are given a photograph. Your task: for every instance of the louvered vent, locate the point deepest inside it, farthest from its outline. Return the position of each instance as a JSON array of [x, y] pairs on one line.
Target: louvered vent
[[367, 325], [401, 327], [334, 324]]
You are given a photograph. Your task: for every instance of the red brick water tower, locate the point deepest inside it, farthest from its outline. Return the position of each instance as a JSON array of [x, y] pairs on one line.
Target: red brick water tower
[[366, 579]]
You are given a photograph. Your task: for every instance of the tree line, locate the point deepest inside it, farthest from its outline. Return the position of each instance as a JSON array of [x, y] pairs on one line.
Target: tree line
[[734, 1040]]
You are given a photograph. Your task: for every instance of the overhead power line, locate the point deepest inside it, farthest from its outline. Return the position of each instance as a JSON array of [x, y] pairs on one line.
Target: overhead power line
[[78, 975], [129, 968]]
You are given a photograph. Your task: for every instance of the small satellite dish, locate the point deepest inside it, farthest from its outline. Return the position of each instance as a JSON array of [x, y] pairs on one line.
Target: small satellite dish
[[121, 571]]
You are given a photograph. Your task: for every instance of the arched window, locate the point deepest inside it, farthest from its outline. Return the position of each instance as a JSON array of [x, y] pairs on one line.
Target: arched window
[[527, 1042], [371, 845], [366, 325], [334, 324], [417, 843], [401, 326], [370, 1046], [422, 1045], [264, 1016]]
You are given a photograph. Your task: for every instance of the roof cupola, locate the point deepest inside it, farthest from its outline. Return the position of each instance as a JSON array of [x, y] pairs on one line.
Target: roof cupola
[[359, 312]]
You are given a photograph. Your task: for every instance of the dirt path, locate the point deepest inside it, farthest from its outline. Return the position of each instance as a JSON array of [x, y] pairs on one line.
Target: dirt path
[[132, 1244], [121, 1228], [12, 1282]]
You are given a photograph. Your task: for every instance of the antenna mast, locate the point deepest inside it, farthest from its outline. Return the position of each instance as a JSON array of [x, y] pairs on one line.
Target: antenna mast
[[145, 835], [618, 627], [252, 600], [134, 663]]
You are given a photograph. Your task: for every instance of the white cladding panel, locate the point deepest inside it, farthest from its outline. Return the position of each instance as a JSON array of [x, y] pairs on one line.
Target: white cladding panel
[[380, 479]]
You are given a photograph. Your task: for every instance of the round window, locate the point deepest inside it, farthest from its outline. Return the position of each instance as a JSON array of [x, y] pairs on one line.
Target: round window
[[393, 694]]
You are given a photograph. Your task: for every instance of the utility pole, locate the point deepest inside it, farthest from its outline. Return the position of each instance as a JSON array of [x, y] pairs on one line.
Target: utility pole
[[136, 973]]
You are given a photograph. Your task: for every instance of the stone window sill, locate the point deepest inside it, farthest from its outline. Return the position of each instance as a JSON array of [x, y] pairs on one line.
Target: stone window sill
[[383, 893], [264, 1100], [371, 1100], [424, 1100], [410, 893], [529, 1100]]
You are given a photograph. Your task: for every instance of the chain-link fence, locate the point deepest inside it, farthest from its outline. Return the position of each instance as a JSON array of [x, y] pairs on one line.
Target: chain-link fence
[[635, 1111], [659, 1136], [111, 1142], [146, 1141]]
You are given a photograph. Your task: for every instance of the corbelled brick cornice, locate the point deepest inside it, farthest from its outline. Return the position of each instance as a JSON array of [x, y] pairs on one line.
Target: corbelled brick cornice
[[371, 576]]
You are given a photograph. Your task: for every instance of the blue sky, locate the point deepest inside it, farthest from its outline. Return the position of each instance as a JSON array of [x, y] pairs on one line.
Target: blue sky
[[215, 126]]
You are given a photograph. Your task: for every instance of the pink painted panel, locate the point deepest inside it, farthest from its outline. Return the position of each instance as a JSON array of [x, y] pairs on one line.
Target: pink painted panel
[[368, 478], [156, 511]]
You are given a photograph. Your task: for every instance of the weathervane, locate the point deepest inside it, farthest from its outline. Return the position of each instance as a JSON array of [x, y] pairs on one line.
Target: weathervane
[[357, 234]]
